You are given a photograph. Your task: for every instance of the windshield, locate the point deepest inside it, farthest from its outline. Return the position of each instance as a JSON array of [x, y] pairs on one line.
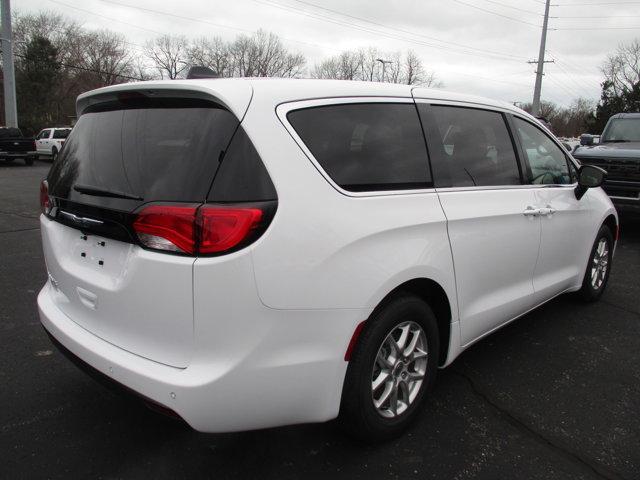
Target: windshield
[[622, 130]]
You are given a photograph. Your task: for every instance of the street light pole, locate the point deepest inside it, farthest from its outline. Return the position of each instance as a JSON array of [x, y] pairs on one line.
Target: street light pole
[[384, 63], [9, 81]]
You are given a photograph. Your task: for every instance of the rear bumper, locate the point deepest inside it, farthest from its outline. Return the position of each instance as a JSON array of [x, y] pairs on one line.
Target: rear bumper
[[18, 154], [292, 374]]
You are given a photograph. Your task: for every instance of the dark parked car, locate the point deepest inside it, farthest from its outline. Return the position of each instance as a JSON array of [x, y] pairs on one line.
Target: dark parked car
[[619, 154], [15, 145]]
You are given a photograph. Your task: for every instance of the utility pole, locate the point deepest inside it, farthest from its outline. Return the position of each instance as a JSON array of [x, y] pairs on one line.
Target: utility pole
[[384, 63], [9, 81], [535, 108]]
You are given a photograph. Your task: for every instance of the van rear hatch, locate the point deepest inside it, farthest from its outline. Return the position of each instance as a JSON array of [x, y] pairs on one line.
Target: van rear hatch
[[129, 150]]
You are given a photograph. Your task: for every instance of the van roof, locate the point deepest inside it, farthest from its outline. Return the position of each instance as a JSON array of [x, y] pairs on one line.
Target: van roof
[[235, 92]]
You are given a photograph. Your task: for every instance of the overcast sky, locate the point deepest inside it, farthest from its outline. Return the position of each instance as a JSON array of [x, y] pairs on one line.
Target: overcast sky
[[474, 46]]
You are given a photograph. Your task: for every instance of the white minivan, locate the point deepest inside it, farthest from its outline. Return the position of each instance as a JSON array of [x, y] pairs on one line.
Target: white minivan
[[248, 253]]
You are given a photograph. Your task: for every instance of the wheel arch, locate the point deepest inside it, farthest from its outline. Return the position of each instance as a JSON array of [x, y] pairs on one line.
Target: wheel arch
[[436, 297], [612, 223]]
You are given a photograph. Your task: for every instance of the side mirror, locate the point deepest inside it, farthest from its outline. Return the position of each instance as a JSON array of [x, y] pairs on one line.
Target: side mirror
[[586, 140], [589, 177]]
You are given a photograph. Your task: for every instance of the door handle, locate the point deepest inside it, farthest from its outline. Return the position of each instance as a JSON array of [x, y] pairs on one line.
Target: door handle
[[531, 212], [548, 211]]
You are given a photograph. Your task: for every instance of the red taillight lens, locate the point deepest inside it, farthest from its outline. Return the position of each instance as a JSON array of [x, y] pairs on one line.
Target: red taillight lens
[[223, 228], [33, 146], [189, 229], [45, 201], [167, 228]]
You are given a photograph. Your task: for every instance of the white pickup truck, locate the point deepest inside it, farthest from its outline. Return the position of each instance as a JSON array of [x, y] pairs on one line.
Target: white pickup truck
[[50, 140]]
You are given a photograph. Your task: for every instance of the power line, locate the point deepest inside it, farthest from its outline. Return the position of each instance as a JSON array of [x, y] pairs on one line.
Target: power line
[[514, 8], [105, 17], [598, 28], [372, 22], [325, 18], [86, 69], [496, 13], [583, 88], [201, 20], [594, 4], [592, 17]]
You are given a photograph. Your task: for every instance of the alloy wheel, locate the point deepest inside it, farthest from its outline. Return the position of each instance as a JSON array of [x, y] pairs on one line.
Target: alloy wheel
[[600, 264], [399, 369]]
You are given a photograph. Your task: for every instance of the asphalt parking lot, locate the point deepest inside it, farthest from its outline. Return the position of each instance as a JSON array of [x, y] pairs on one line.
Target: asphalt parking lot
[[555, 394]]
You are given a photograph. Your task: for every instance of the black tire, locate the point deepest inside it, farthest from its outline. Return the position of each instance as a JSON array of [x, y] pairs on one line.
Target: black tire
[[28, 161], [358, 414], [54, 154], [592, 290]]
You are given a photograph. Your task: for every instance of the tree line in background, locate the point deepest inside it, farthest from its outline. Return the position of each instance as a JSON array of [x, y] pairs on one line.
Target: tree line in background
[[57, 59]]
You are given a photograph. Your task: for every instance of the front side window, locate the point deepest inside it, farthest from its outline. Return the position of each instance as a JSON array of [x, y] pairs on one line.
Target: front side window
[[366, 146], [44, 134], [547, 163], [470, 147]]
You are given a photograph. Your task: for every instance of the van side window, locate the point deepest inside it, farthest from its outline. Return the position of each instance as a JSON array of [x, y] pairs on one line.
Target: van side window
[[469, 147], [366, 146], [547, 163]]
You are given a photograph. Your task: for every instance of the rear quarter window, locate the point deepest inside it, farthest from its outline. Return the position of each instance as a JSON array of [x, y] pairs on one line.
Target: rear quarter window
[[366, 146], [61, 133]]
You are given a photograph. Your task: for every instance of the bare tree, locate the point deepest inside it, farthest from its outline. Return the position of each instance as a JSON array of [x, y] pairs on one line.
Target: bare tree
[[210, 52], [566, 122], [345, 66], [367, 65], [106, 58], [622, 68], [169, 55], [263, 55]]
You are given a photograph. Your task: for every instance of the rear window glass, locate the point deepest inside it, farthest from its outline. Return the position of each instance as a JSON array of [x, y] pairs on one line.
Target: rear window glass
[[153, 151], [366, 146], [10, 132], [61, 133]]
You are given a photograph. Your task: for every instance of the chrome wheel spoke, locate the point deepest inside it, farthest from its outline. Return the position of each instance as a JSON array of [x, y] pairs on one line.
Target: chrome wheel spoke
[[393, 401], [380, 379], [382, 360], [386, 393], [417, 354], [415, 337], [402, 341]]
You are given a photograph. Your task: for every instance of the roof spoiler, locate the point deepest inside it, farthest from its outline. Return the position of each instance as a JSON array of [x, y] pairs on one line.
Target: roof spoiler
[[198, 71]]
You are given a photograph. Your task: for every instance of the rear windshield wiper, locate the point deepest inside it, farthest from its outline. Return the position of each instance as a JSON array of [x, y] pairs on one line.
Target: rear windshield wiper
[[99, 192]]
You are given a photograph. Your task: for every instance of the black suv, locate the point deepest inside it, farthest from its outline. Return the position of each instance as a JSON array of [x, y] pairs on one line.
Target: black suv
[[619, 154]]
